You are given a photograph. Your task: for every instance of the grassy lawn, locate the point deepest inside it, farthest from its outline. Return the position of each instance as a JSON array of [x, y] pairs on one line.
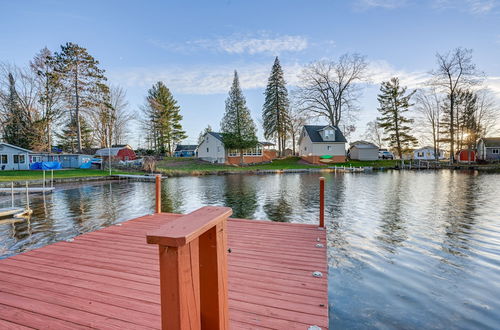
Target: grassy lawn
[[38, 175], [181, 166]]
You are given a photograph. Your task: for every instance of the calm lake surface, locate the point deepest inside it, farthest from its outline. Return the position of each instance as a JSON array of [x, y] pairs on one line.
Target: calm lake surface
[[406, 249]]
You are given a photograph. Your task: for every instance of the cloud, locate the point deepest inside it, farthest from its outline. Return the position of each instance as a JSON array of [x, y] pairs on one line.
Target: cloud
[[472, 6], [387, 4], [241, 44], [203, 79]]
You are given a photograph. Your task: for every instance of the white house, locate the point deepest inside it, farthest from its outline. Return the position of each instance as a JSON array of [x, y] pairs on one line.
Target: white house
[[488, 149], [211, 149], [318, 141], [427, 153], [13, 157], [363, 150]]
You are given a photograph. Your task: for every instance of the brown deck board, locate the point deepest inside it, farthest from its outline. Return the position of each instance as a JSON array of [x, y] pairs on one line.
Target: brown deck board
[[109, 279]]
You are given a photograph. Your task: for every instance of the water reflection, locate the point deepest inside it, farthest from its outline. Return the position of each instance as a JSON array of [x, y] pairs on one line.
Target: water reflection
[[406, 249]]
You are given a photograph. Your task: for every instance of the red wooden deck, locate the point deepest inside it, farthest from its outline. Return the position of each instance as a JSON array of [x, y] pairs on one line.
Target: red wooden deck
[[109, 279]]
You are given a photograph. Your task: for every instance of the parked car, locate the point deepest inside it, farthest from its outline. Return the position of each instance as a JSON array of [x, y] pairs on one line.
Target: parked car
[[384, 154]]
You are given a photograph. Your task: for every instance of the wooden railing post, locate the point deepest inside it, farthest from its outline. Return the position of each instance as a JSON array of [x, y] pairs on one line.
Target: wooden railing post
[[158, 194], [193, 270], [322, 202]]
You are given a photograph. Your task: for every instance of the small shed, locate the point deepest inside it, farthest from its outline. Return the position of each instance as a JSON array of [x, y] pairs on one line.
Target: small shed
[[13, 157], [185, 150], [465, 156], [363, 150], [488, 149], [123, 152], [427, 153]]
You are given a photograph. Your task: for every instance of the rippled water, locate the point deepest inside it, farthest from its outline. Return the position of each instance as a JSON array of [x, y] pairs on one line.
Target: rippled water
[[406, 249]]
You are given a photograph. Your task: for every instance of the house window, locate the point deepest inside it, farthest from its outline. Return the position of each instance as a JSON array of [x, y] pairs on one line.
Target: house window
[[328, 148], [305, 148], [329, 134], [234, 153], [218, 148], [420, 154], [3, 159], [207, 150], [36, 159], [495, 151], [19, 159]]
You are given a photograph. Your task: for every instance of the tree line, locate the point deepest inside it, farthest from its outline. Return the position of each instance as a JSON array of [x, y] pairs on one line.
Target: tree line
[[451, 109], [61, 99]]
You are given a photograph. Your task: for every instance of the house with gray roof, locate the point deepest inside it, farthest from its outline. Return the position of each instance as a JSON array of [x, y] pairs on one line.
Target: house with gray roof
[[185, 150], [488, 149], [211, 149], [322, 143], [363, 150]]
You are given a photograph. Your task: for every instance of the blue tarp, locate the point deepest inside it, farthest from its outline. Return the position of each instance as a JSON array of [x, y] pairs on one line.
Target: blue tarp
[[86, 165], [46, 166]]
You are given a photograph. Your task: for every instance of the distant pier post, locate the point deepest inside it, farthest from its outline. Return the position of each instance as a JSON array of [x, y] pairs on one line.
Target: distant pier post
[[158, 194], [322, 202]]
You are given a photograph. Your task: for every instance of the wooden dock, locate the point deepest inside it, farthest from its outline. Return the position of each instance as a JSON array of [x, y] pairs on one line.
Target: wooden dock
[[30, 190], [110, 279]]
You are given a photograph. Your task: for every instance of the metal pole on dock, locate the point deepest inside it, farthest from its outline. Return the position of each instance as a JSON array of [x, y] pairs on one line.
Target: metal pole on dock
[[158, 194], [43, 185], [322, 202], [52, 178], [12, 193], [27, 197]]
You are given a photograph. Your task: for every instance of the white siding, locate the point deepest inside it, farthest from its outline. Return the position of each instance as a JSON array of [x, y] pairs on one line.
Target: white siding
[[363, 153], [305, 146], [211, 149]]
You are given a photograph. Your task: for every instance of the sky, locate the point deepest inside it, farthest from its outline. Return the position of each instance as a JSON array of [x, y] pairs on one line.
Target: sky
[[195, 46]]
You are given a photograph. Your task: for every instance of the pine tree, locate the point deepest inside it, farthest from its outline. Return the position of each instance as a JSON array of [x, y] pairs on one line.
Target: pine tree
[[275, 114], [16, 129], [50, 99], [81, 76], [237, 125], [394, 103], [68, 138], [163, 118]]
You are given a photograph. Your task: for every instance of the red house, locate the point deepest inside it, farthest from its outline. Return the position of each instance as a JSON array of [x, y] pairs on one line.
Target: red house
[[465, 156], [117, 152]]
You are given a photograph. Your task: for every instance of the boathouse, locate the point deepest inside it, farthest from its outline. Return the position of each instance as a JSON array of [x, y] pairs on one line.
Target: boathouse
[[465, 156], [13, 157], [212, 149], [318, 141]]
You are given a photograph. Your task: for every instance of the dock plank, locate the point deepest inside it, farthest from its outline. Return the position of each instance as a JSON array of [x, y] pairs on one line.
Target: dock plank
[[109, 279]]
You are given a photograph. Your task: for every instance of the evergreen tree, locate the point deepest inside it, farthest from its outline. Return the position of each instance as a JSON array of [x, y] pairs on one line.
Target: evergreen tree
[[81, 76], [394, 103], [275, 115], [68, 138], [163, 119], [16, 129], [50, 90], [238, 128]]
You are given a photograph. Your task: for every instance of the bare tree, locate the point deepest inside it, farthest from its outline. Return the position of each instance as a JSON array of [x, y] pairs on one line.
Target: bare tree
[[487, 112], [455, 71], [429, 104], [123, 117], [297, 120], [330, 89], [374, 133]]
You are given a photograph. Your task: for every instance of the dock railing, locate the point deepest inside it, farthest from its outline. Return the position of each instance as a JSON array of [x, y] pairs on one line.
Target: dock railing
[[193, 269]]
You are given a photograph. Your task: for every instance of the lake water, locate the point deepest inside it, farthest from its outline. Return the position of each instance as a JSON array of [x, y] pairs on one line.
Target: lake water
[[406, 249]]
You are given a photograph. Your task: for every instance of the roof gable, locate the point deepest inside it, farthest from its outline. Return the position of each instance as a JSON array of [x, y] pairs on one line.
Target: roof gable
[[315, 136], [13, 146], [493, 142]]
